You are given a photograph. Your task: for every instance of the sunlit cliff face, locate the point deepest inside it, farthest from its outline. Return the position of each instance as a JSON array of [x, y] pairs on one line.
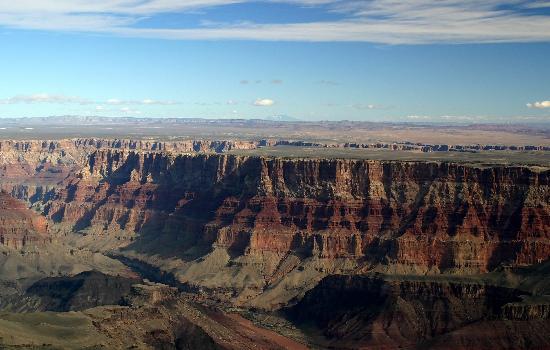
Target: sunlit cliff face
[[433, 215]]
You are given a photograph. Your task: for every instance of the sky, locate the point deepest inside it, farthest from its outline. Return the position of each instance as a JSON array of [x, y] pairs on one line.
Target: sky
[[370, 60]]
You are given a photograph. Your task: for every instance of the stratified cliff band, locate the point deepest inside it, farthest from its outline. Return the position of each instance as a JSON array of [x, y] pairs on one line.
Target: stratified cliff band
[[260, 231]]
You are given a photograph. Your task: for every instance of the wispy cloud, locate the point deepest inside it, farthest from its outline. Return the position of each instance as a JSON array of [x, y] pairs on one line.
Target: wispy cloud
[[45, 98], [259, 81], [361, 106], [377, 21], [146, 101], [452, 118], [264, 102], [539, 105], [128, 110], [419, 117], [64, 99]]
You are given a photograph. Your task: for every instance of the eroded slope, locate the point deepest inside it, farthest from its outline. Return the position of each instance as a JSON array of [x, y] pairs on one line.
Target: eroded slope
[[262, 231]]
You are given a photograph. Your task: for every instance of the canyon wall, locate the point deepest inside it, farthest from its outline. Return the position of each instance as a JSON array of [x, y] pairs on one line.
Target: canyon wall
[[303, 234], [20, 226], [442, 216]]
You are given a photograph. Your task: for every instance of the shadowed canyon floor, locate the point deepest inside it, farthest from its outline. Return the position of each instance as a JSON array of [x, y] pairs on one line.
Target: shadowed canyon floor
[[246, 244]]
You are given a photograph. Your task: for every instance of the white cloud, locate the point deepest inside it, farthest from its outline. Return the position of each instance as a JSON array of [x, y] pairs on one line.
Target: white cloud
[[44, 98], [114, 101], [463, 117], [63, 99], [258, 81], [419, 117], [451, 118], [128, 110], [378, 21], [539, 105], [147, 101], [264, 102], [361, 106]]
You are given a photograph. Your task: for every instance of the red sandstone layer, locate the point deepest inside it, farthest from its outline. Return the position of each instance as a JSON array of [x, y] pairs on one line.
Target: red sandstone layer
[[20, 226], [442, 215]]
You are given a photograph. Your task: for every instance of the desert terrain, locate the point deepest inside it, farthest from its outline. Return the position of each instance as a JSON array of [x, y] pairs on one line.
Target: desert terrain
[[233, 234]]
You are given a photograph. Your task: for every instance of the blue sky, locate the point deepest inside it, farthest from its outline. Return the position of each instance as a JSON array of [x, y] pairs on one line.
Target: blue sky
[[380, 60]]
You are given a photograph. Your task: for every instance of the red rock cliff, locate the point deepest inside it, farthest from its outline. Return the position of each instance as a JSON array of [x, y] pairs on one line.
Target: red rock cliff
[[440, 215], [20, 226]]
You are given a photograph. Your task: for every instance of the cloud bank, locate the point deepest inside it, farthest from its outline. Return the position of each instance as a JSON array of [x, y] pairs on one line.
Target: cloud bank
[[376, 21]]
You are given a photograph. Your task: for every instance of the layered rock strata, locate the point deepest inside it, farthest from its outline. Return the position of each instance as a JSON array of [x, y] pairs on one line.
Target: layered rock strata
[[435, 215], [20, 226]]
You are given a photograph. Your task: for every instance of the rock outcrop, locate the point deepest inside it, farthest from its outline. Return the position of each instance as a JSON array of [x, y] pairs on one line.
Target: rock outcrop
[[20, 226], [83, 291], [371, 312], [432, 215]]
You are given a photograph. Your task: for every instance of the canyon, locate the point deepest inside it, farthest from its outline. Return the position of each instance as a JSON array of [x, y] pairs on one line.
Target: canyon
[[380, 252]]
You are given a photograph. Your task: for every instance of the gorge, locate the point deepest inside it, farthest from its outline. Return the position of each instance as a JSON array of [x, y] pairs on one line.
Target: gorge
[[409, 252]]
